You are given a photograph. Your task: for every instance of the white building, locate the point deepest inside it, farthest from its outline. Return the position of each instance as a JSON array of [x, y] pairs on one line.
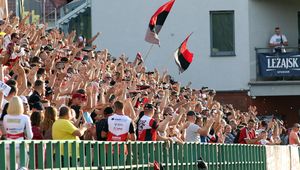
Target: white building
[[238, 26], [124, 23]]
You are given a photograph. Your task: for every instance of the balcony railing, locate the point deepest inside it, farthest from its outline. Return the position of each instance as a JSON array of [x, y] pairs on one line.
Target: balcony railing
[[63, 14]]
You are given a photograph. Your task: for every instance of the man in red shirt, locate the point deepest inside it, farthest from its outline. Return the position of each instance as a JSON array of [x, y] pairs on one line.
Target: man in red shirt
[[293, 136], [247, 134], [146, 125]]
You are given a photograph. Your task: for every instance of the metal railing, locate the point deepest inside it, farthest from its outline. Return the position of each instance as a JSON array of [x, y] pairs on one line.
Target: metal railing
[[59, 15], [128, 155]]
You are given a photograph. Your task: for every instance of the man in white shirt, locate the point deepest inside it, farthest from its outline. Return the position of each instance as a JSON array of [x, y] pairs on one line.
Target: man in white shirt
[[278, 41], [193, 131]]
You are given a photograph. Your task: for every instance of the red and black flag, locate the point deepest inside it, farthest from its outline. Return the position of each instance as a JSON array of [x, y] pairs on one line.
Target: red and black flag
[[183, 57], [157, 21]]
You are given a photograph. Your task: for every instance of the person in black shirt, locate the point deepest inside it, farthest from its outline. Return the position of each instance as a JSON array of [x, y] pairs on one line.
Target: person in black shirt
[[77, 101], [108, 111], [38, 93]]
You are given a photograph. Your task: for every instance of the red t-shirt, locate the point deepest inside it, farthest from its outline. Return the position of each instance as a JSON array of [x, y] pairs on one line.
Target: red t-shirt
[[37, 134], [243, 135]]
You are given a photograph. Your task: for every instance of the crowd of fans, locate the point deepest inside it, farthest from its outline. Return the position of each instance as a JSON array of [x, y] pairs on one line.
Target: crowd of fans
[[61, 88]]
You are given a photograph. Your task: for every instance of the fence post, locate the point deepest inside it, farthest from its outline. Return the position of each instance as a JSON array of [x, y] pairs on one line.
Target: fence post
[[32, 155], [116, 154], [12, 155], [2, 155], [66, 155], [88, 155], [40, 155], [49, 155], [74, 154], [122, 154], [96, 154], [141, 154], [102, 155], [22, 154]]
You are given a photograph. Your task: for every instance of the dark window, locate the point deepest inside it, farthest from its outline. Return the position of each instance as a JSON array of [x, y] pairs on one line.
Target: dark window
[[222, 33]]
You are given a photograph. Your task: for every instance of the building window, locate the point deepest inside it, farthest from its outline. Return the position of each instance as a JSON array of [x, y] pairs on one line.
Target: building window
[[222, 33]]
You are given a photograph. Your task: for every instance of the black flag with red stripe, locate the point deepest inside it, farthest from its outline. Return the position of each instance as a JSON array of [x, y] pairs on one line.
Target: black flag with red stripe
[[157, 21], [183, 57]]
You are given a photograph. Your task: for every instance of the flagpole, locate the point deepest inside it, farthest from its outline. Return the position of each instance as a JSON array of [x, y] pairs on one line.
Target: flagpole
[[148, 52]]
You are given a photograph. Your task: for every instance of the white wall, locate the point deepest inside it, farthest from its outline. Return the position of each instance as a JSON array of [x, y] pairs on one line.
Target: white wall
[[124, 23], [264, 16]]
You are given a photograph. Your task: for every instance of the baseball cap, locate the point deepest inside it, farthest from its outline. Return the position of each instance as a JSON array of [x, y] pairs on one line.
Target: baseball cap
[[107, 75], [297, 125], [191, 113], [24, 99], [36, 60], [149, 106], [79, 95], [108, 110], [48, 48], [48, 91], [80, 38], [38, 106]]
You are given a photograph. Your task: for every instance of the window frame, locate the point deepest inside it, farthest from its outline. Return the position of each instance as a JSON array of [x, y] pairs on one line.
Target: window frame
[[222, 53]]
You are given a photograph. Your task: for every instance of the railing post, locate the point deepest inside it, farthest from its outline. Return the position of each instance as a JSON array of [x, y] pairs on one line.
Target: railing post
[[146, 152], [141, 154], [181, 156], [12, 155], [102, 154], [22, 154], [66, 156], [49, 155], [40, 155], [57, 155], [32, 155], [171, 155], [122, 155], [96, 154], [89, 155], [185, 157], [109, 155], [81, 154], [166, 157], [2, 155], [151, 152], [74, 154], [116, 155]]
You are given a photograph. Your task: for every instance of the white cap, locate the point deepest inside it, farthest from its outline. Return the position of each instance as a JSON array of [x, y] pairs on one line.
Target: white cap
[[24, 99]]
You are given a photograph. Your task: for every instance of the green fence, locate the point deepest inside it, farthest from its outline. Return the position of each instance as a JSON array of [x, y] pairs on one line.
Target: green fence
[[131, 155]]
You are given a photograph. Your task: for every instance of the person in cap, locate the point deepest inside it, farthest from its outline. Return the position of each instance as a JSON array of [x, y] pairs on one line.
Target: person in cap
[[37, 107], [36, 61], [78, 99], [193, 131], [49, 94], [108, 111], [38, 93], [25, 105], [146, 125], [294, 135]]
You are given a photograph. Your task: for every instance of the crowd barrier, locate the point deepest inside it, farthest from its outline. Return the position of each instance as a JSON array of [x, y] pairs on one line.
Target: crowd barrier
[[55, 154]]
